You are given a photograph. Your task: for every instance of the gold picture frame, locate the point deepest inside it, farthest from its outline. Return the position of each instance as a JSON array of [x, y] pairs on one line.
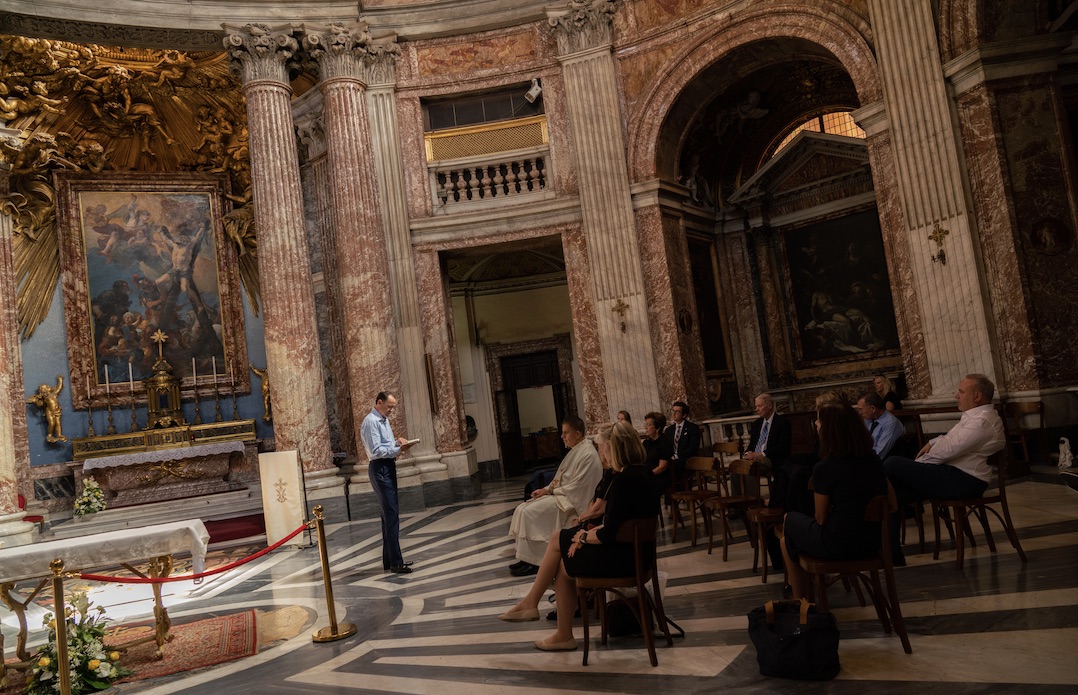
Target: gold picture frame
[[141, 252]]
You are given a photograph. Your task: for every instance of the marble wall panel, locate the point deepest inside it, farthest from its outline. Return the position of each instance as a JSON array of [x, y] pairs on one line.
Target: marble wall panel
[[438, 338], [446, 58], [899, 269], [638, 70], [992, 195], [1030, 115], [585, 325], [642, 16], [741, 303]]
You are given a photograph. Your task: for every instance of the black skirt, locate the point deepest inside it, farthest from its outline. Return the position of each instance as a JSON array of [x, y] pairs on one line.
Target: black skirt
[[596, 559]]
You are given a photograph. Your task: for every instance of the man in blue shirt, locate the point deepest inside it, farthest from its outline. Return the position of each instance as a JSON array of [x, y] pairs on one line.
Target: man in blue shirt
[[885, 428], [382, 451]]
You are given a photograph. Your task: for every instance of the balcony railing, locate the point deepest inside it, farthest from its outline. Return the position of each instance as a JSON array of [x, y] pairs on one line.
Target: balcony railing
[[473, 182]]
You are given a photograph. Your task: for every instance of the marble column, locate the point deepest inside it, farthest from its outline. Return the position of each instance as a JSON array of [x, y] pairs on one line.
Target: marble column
[[584, 34], [383, 341], [940, 231], [14, 453], [262, 56]]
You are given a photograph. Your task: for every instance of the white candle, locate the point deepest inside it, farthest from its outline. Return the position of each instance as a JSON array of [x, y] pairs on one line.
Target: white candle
[[215, 370], [231, 377], [89, 396], [194, 372], [130, 377], [106, 380]]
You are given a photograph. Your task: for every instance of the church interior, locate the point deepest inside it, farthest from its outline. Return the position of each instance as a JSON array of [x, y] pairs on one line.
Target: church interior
[[224, 227]]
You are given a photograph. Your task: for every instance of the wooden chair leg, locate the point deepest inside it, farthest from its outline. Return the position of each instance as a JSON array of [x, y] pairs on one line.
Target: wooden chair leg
[[692, 508], [879, 601], [960, 524], [645, 623], [582, 600], [936, 523], [726, 537], [660, 612], [1008, 526], [982, 516], [896, 612], [821, 591], [675, 519]]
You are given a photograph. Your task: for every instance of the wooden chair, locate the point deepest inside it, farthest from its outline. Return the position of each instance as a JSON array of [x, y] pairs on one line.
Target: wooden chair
[[703, 470], [1016, 413], [960, 510], [867, 571], [741, 471], [641, 534], [763, 519], [725, 453]]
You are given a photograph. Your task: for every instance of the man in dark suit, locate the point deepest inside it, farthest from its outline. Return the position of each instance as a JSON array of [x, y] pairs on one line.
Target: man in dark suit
[[770, 437], [682, 438]]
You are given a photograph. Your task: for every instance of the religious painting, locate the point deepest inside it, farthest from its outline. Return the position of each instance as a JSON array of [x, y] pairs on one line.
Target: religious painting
[[839, 290], [144, 255]]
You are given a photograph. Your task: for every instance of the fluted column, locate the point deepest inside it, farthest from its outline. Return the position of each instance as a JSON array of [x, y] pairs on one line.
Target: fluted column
[[362, 268], [583, 33], [261, 55], [13, 530], [949, 295]]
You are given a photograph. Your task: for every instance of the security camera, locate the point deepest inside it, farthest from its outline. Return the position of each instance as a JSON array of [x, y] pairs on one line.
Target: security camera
[[532, 94]]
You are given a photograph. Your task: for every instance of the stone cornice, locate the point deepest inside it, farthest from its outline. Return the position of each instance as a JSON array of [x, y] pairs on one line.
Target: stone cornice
[[1007, 59]]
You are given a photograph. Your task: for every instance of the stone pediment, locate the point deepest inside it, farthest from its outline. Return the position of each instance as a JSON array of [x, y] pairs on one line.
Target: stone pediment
[[811, 160]]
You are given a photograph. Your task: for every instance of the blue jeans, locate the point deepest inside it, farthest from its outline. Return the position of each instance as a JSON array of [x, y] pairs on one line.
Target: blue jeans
[[917, 482], [383, 476]]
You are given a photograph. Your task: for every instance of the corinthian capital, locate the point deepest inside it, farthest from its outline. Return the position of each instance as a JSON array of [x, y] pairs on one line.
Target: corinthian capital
[[261, 52], [349, 50], [581, 24]]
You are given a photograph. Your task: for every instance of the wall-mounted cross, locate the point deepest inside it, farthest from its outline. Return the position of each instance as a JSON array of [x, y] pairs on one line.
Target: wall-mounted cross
[[938, 235], [620, 308]]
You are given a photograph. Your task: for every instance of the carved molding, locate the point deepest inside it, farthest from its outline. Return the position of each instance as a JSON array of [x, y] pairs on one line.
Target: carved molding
[[349, 50], [582, 25], [261, 52], [311, 133], [109, 34]]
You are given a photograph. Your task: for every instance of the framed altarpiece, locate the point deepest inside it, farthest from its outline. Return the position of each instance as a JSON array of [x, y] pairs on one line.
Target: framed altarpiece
[[142, 253]]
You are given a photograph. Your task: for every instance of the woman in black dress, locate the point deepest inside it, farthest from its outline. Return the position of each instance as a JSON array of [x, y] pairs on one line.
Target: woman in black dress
[[577, 552], [886, 389], [657, 448], [847, 477]]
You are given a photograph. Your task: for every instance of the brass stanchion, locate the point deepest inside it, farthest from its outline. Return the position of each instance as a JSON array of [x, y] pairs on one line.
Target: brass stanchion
[[60, 617], [334, 632]]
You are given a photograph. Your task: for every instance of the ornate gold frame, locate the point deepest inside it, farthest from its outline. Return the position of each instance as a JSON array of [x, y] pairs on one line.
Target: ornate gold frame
[[75, 281]]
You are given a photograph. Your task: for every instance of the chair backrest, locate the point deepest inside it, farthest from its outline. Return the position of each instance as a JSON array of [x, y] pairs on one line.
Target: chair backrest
[[730, 448], [743, 470], [879, 510], [22, 502], [1000, 461], [637, 530], [700, 464], [1017, 410]]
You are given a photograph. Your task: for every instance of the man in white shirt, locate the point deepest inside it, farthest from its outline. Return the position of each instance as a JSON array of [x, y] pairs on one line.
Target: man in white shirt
[[953, 465], [885, 428]]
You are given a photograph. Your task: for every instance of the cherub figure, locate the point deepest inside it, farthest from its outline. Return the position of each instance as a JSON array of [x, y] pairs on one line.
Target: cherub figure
[[28, 100], [263, 374], [47, 398]]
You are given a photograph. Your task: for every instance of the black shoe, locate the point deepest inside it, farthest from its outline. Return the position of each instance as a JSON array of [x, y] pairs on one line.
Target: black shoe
[[787, 591], [526, 570], [517, 565], [898, 559], [403, 564], [552, 616], [401, 569]]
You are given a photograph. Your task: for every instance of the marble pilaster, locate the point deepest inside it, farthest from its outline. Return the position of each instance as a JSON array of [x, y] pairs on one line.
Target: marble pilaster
[[931, 192], [14, 456], [741, 303], [262, 56], [582, 30], [778, 343]]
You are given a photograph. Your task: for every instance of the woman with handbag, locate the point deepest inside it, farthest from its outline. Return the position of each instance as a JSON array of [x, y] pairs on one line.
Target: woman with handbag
[[580, 552], [847, 477]]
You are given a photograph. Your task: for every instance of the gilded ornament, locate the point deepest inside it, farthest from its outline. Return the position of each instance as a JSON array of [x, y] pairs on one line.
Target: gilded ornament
[[47, 399]]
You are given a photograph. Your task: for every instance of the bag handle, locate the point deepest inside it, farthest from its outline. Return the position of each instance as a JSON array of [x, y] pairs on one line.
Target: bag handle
[[769, 611]]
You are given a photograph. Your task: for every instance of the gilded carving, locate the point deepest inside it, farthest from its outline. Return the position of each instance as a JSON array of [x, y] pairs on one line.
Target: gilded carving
[[94, 108], [47, 399], [582, 24], [263, 374]]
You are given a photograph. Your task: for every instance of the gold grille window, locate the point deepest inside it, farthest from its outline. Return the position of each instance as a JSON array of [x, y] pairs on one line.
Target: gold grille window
[[487, 139]]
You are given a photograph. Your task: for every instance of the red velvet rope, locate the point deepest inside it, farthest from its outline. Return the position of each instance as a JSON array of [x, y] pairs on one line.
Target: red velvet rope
[[188, 577]]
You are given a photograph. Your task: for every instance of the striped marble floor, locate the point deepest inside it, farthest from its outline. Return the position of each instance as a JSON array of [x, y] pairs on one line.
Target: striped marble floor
[[996, 626]]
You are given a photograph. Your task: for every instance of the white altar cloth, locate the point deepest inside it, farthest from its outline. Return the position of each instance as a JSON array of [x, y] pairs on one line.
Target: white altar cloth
[[158, 455], [106, 549]]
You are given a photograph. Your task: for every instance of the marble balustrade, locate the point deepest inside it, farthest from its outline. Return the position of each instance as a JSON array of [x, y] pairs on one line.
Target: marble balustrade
[[490, 178]]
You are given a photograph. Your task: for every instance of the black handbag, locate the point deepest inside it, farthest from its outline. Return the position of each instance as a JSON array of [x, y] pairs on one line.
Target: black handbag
[[795, 639]]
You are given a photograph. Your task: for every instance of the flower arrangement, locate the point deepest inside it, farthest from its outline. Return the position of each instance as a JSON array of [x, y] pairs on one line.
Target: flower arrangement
[[92, 665], [92, 498]]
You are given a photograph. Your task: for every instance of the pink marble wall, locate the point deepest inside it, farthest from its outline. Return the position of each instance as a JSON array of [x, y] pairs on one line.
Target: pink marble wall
[[997, 233], [709, 38], [1041, 173], [740, 301], [896, 247], [440, 342], [671, 303], [585, 325], [15, 456], [464, 55]]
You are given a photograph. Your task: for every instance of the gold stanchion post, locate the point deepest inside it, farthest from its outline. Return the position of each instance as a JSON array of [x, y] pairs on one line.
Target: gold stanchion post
[[334, 632], [60, 617]]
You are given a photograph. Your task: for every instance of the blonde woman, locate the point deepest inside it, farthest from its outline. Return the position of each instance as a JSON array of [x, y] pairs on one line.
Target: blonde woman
[[886, 389], [579, 552]]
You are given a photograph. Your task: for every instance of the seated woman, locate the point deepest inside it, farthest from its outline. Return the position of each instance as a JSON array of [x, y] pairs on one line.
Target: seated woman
[[657, 449], [577, 552], [886, 389], [847, 477]]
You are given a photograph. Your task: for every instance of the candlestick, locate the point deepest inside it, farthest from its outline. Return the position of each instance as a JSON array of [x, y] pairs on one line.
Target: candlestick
[[216, 394], [194, 389], [89, 410], [111, 429], [106, 380], [232, 383]]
